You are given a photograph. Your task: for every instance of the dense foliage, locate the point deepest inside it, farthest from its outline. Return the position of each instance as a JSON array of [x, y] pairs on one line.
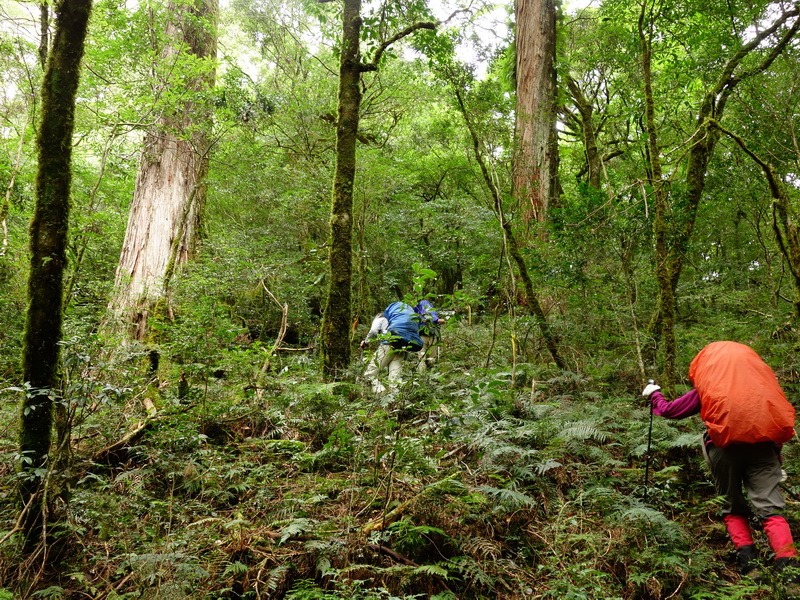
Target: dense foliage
[[228, 469]]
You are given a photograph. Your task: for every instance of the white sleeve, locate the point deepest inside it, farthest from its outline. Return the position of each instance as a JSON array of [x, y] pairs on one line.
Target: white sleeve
[[380, 324]]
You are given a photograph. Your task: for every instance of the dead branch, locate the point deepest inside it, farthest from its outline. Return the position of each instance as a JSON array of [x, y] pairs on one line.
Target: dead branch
[[281, 333]]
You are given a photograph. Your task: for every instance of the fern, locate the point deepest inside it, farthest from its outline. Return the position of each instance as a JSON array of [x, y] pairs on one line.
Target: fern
[[469, 570], [653, 521], [432, 570], [584, 431], [548, 465], [482, 548], [235, 568], [686, 440], [295, 528], [508, 497], [276, 577]]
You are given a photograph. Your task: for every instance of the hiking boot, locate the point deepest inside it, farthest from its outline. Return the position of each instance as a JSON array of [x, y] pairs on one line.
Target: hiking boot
[[747, 560]]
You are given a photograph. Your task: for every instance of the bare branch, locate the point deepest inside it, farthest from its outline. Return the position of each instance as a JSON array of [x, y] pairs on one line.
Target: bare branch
[[373, 64]]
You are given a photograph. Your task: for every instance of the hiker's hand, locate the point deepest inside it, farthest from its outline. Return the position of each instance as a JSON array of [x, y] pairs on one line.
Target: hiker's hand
[[651, 387], [363, 344]]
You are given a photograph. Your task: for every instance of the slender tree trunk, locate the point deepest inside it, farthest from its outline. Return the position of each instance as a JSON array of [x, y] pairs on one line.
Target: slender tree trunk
[[666, 292], [44, 32], [338, 310], [784, 218], [337, 317], [510, 243], [536, 153], [164, 221], [48, 256]]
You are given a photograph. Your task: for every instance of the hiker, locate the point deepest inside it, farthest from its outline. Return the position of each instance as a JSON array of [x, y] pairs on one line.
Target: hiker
[[402, 323], [429, 332], [747, 418]]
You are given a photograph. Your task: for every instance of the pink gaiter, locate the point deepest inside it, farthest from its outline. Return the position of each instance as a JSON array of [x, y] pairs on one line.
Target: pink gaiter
[[780, 536], [739, 530]]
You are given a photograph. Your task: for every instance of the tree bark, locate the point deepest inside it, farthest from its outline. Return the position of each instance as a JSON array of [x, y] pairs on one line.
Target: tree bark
[[535, 167], [337, 316], [165, 216], [338, 310], [666, 292], [48, 243]]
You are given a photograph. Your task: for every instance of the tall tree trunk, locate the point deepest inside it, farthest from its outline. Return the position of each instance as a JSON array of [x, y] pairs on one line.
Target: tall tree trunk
[[48, 241], [338, 310], [666, 292], [536, 153], [164, 221], [336, 330]]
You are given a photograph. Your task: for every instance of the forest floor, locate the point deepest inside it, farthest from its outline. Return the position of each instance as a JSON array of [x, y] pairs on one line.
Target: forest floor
[[490, 482]]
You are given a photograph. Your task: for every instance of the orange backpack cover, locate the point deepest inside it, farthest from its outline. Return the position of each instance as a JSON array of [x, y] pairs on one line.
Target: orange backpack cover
[[741, 400]]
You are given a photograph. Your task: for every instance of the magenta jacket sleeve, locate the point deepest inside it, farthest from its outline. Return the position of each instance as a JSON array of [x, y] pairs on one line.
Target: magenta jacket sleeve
[[680, 408]]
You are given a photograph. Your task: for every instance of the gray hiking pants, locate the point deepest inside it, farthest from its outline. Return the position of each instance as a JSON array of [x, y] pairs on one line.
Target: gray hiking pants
[[756, 468]]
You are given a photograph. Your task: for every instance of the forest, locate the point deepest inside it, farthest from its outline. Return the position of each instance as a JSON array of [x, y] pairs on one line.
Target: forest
[[203, 206]]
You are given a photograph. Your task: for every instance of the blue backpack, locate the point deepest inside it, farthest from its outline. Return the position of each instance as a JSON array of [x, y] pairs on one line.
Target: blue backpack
[[403, 323]]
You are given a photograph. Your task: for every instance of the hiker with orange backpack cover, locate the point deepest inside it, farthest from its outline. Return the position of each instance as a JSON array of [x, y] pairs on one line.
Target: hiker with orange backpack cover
[[747, 418]]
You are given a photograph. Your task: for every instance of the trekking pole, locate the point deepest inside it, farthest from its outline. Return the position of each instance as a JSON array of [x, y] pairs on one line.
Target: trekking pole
[[649, 440]]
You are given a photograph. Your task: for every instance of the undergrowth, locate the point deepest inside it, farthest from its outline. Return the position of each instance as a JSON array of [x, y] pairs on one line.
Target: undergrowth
[[487, 482]]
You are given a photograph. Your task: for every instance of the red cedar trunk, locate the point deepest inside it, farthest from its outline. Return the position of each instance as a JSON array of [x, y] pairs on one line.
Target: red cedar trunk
[[536, 158], [164, 221]]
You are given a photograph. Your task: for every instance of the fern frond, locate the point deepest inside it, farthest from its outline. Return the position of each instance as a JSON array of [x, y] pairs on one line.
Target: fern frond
[[295, 528], [583, 431], [434, 570], [508, 497], [276, 577], [470, 571], [482, 548], [548, 465]]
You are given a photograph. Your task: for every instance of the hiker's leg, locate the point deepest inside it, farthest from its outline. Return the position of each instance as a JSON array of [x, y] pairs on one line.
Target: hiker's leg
[[378, 363], [762, 481]]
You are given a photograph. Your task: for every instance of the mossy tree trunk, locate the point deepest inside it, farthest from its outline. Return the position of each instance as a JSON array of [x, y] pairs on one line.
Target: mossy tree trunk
[[48, 242], [337, 314], [165, 216], [336, 320], [666, 292]]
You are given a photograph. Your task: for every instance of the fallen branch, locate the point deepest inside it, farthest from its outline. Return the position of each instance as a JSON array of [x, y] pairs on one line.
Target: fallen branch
[[281, 334], [392, 554], [380, 523], [104, 455]]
